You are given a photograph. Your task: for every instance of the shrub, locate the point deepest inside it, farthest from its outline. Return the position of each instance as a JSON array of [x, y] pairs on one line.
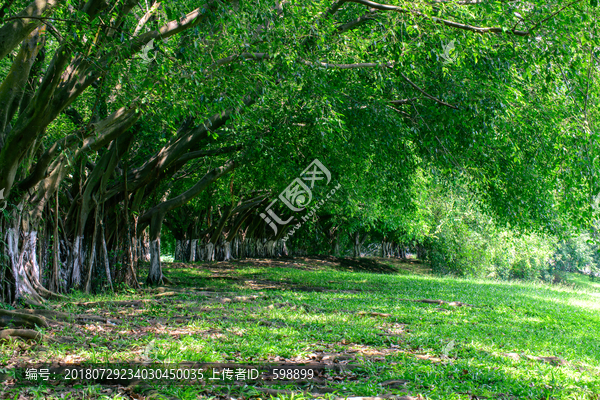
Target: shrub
[[460, 247], [576, 254], [471, 245]]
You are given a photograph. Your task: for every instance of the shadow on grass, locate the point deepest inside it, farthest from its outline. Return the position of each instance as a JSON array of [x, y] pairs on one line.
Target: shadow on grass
[[379, 323], [372, 265], [376, 265]]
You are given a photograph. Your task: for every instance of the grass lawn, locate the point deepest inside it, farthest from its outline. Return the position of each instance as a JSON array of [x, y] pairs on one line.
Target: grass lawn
[[508, 340]]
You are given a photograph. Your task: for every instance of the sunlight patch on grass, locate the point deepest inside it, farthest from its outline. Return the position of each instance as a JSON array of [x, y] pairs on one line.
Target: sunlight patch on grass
[[585, 304], [335, 312]]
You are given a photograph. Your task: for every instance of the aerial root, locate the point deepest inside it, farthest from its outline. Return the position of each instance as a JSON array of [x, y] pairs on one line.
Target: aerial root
[[38, 317], [19, 319], [27, 334]]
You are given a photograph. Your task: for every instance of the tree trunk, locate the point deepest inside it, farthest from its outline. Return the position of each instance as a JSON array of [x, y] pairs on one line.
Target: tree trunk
[[187, 250], [106, 264], [284, 249], [210, 252], [77, 262], [200, 251], [356, 252], [178, 256], [21, 261], [270, 248], [259, 248], [155, 276], [131, 274], [54, 276], [193, 245], [235, 248], [227, 251]]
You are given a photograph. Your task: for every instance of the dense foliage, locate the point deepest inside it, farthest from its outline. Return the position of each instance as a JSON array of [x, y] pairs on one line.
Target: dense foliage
[[119, 118]]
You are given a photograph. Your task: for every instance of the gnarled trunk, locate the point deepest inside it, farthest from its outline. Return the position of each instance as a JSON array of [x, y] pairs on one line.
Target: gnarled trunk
[[210, 252], [23, 263], [227, 251]]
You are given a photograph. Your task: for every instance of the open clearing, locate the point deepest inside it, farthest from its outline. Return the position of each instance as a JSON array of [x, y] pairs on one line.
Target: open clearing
[[485, 339]]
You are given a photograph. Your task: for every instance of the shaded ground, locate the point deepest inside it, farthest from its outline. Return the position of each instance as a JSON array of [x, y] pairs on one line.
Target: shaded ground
[[406, 333], [372, 264]]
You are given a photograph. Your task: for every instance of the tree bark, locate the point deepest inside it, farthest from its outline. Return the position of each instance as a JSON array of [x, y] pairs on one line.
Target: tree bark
[[106, 263], [54, 277], [21, 261], [193, 245], [13, 86], [88, 282], [18, 28], [227, 251], [155, 275]]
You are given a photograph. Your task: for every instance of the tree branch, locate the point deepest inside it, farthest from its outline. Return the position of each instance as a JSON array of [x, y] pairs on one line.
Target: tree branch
[[145, 18], [452, 24], [335, 7], [245, 56], [14, 32], [427, 94], [407, 115], [189, 194], [403, 101], [553, 14], [203, 153], [378, 6], [102, 134], [347, 66], [357, 22], [170, 153], [13, 86]]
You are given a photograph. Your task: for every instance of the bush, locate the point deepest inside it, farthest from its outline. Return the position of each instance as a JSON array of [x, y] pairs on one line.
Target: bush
[[533, 255], [470, 244], [576, 254], [460, 247]]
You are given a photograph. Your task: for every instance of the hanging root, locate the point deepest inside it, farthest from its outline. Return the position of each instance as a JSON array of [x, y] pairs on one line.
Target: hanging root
[[26, 334], [21, 320]]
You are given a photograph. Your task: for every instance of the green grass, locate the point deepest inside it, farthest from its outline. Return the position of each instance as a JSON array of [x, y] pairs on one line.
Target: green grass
[[308, 310], [579, 281]]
